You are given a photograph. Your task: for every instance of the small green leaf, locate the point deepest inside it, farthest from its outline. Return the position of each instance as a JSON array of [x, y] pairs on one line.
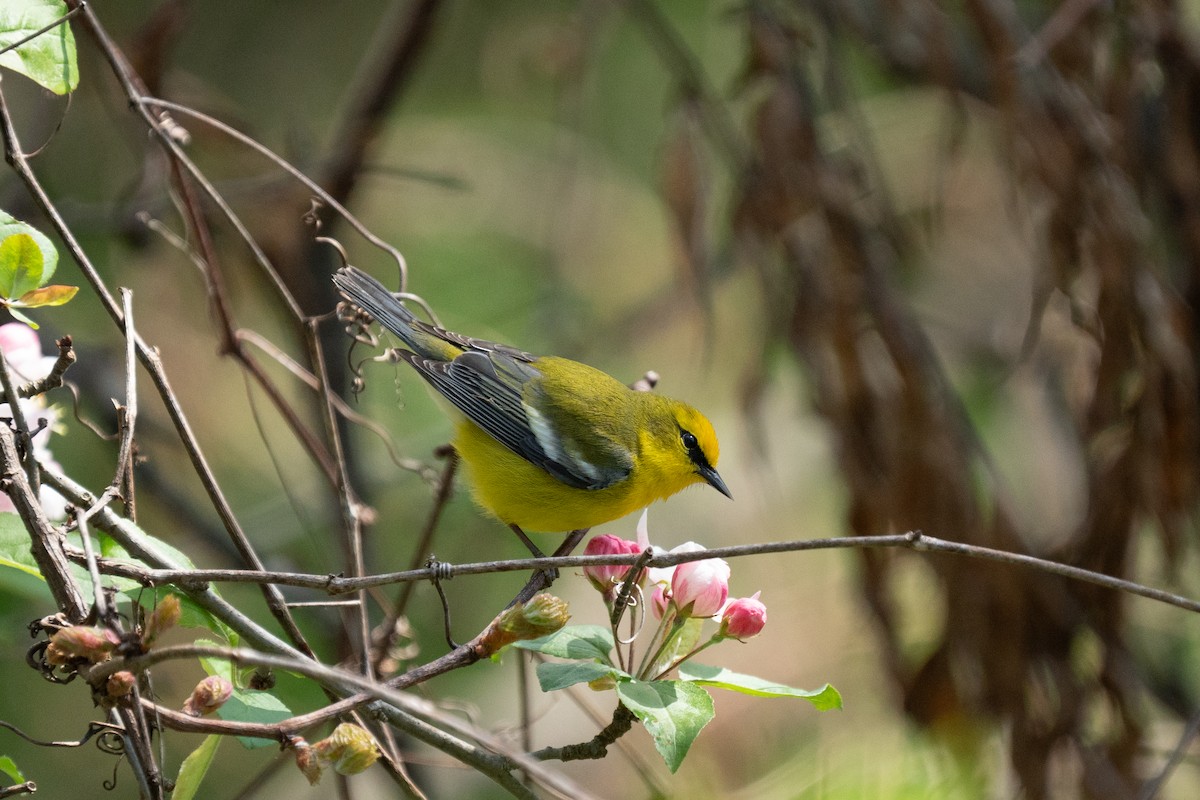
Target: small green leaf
[[554, 675], [49, 59], [194, 768], [574, 641], [10, 225], [824, 699], [19, 317], [9, 768], [21, 265], [673, 713], [248, 705], [53, 295]]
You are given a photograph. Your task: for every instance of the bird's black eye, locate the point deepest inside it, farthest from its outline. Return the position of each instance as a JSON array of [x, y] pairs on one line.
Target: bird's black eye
[[689, 441]]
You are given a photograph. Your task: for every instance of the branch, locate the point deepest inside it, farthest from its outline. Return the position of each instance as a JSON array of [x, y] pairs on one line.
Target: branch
[[413, 717], [66, 357], [45, 541], [915, 540]]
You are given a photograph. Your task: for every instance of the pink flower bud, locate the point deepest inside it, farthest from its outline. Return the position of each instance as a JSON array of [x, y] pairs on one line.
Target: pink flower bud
[[659, 600], [743, 618], [608, 578], [700, 588]]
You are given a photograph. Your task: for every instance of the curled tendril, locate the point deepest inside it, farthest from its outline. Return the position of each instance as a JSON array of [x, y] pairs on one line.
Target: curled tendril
[[635, 602], [111, 742], [111, 783], [94, 728]]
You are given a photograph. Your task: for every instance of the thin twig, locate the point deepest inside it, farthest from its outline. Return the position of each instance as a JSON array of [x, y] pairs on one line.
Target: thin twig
[[53, 380], [286, 166], [343, 408], [28, 787], [351, 508], [128, 416], [93, 570]]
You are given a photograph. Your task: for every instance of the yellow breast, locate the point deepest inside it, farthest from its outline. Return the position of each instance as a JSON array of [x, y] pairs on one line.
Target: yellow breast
[[519, 493]]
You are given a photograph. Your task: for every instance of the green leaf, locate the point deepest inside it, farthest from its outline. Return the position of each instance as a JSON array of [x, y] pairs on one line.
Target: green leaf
[[53, 295], [574, 641], [14, 545], [21, 265], [9, 768], [48, 59], [247, 705], [673, 713], [683, 641], [194, 768], [10, 225], [217, 666], [553, 675], [193, 614], [824, 699], [158, 554]]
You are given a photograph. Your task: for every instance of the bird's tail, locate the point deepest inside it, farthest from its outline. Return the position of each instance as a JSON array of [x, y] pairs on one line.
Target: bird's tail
[[373, 297]]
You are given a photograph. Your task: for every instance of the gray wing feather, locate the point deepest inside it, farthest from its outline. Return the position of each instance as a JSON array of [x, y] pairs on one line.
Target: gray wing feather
[[472, 382]]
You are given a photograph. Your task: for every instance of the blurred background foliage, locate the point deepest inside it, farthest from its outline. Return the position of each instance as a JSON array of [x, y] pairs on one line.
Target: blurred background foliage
[[925, 265]]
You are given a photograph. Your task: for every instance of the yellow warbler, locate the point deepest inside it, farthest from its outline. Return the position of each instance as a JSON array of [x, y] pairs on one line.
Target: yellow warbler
[[549, 444]]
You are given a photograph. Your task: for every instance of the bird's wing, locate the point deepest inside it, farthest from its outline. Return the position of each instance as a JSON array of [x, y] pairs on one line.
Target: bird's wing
[[488, 387]]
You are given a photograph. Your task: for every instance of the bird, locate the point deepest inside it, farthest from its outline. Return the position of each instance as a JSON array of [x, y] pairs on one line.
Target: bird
[[549, 444]]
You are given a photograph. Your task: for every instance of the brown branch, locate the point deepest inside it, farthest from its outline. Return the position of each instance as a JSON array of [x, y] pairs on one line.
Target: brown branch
[[597, 746], [66, 357]]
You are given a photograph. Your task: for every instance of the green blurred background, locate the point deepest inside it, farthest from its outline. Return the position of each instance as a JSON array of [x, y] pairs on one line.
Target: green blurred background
[[522, 172]]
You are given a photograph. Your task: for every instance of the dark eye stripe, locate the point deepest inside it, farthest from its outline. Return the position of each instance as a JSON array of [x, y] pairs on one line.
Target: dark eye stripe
[[689, 442]]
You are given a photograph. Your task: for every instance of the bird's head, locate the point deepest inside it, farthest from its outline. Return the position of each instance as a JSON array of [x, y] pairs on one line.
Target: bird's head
[[696, 440]]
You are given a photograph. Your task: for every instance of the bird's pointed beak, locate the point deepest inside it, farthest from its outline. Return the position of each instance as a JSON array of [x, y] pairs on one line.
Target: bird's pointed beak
[[714, 480]]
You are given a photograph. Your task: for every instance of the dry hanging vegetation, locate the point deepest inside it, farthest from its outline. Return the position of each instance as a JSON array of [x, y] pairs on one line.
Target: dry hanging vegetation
[[1093, 112]]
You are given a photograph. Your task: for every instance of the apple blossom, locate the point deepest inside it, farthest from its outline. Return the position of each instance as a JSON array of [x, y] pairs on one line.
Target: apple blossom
[[659, 600], [608, 577], [700, 588]]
